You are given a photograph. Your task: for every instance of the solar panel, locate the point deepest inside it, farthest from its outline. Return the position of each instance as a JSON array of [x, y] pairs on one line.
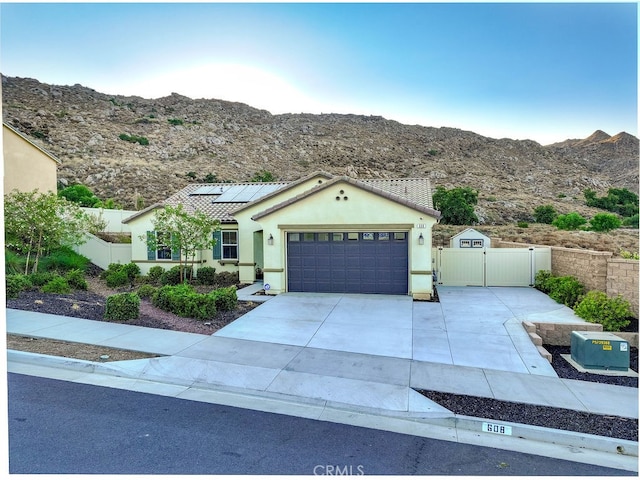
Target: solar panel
[[245, 193]]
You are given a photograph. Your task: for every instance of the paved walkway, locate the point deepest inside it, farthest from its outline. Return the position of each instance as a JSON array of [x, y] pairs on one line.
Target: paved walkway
[[361, 353]]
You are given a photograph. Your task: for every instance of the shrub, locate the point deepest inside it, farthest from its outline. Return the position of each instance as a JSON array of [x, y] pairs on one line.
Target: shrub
[[131, 269], [545, 214], [633, 221], [206, 275], [175, 121], [523, 225], [605, 222], [117, 278], [226, 279], [566, 290], [57, 285], [597, 307], [226, 298], [155, 273], [39, 279], [122, 306], [146, 291], [76, 280], [629, 255], [64, 259], [16, 283], [134, 139], [184, 301], [570, 221], [171, 276], [542, 280], [13, 263]]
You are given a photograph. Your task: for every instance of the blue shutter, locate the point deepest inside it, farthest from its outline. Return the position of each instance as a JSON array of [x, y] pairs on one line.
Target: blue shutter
[[175, 253], [151, 253], [217, 248]]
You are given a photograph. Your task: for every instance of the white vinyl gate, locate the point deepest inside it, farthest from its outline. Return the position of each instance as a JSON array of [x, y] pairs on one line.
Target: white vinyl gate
[[489, 267]]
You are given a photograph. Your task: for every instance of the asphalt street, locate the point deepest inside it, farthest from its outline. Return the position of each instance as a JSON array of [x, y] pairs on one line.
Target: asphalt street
[[58, 427]]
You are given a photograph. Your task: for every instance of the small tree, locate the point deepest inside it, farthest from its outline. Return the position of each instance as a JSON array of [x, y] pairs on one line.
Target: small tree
[[456, 205], [36, 223], [188, 232], [545, 214], [605, 222], [570, 221]]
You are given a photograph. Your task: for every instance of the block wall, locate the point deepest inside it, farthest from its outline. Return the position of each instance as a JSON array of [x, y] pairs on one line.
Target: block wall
[[622, 279]]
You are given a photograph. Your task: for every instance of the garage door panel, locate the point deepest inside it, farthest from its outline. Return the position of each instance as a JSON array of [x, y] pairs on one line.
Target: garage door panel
[[348, 263]]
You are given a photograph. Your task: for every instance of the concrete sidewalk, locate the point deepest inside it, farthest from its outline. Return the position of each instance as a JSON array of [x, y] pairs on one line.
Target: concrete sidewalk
[[309, 354]]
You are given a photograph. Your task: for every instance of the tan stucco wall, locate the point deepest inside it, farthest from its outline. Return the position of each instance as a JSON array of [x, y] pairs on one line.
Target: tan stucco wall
[[26, 167], [362, 211]]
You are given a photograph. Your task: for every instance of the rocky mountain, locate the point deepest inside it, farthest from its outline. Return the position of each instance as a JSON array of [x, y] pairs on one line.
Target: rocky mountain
[[133, 149]]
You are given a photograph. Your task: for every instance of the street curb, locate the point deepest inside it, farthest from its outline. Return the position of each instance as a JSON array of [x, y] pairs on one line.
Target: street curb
[[470, 428]]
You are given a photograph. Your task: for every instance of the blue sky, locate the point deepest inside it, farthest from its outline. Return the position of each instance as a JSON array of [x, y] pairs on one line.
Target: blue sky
[[541, 71]]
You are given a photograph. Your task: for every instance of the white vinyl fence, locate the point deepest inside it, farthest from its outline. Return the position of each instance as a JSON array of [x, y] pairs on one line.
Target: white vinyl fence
[[113, 218], [103, 253], [490, 267]]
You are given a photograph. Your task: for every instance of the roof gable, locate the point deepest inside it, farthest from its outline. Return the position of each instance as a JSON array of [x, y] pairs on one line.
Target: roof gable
[[384, 188]]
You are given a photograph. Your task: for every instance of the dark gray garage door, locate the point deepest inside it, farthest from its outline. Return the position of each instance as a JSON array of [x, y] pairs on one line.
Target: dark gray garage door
[[354, 262]]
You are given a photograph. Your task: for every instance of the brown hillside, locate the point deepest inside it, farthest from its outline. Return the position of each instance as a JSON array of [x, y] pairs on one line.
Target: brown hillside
[[189, 139]]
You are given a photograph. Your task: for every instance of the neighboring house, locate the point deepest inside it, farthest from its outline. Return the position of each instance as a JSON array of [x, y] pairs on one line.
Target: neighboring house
[[322, 233], [27, 166], [470, 238]]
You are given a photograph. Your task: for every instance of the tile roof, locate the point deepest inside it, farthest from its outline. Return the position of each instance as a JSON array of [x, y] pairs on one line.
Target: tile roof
[[413, 192]]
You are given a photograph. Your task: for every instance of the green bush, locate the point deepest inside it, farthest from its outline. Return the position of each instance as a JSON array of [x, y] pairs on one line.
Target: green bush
[[523, 225], [545, 214], [542, 280], [39, 279], [226, 298], [146, 291], [62, 260], [605, 222], [122, 306], [206, 275], [566, 290], [226, 279], [155, 273], [16, 283], [57, 285], [184, 301], [131, 269], [76, 279], [633, 221], [117, 278], [172, 276], [13, 263], [570, 221], [134, 139], [597, 307]]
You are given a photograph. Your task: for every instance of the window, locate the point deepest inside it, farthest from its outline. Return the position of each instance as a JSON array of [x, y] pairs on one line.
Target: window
[[323, 237], [367, 236], [465, 243], [352, 236], [478, 243], [399, 236], [163, 246], [383, 236], [229, 244], [294, 237]]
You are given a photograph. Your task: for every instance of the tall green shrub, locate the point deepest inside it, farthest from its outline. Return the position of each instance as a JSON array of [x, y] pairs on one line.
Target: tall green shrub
[[16, 283], [612, 313], [122, 307], [57, 285], [566, 290]]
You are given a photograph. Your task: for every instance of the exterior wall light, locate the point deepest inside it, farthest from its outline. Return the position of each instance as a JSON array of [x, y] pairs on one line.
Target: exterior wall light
[[270, 239], [420, 240]]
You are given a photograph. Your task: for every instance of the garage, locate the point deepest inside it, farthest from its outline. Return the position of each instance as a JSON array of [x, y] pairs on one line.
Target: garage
[[348, 262]]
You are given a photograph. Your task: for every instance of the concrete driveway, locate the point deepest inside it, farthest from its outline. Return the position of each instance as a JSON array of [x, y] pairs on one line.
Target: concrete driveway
[[470, 326]]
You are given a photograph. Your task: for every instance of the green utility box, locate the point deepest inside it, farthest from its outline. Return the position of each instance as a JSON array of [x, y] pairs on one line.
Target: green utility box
[[600, 351]]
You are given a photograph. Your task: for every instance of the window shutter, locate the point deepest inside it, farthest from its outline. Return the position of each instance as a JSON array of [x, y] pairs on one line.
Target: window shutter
[[175, 253], [217, 248], [151, 253]]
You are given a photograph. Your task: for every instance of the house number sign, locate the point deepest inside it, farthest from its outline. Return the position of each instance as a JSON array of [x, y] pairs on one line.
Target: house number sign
[[496, 428]]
